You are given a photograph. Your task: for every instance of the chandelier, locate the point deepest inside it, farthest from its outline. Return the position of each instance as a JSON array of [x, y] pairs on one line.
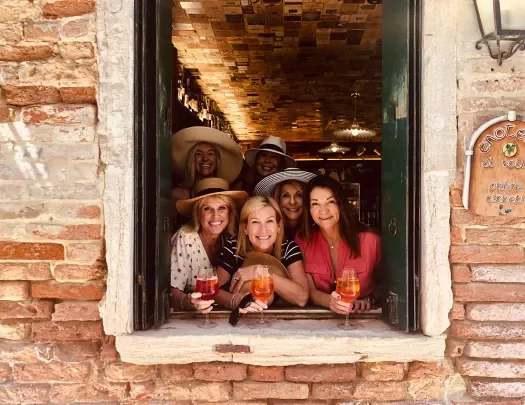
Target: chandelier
[[355, 131], [334, 148]]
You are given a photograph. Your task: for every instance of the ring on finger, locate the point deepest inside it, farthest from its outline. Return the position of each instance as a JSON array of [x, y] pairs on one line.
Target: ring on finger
[[236, 279]]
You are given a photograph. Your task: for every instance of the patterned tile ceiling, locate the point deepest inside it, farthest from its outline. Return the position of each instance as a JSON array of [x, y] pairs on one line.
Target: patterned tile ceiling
[[284, 67]]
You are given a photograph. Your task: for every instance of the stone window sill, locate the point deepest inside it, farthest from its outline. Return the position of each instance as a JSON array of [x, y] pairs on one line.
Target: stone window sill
[[286, 342]]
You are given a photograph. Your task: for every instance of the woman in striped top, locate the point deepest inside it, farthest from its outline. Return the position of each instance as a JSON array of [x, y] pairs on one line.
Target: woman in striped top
[[261, 230]]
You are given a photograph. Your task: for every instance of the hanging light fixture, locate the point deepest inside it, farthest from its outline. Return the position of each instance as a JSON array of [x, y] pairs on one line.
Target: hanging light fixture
[[355, 131], [334, 148]]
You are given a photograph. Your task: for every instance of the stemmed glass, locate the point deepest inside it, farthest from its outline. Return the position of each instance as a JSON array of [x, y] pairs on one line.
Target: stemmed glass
[[208, 286], [348, 288], [262, 289]]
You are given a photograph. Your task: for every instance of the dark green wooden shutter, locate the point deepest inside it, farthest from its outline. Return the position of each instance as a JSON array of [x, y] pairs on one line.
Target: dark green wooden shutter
[[400, 162], [153, 76]]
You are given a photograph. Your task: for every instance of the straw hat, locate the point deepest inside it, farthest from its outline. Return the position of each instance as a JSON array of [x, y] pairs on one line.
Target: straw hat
[[272, 144], [267, 185], [253, 257], [230, 163], [209, 187]]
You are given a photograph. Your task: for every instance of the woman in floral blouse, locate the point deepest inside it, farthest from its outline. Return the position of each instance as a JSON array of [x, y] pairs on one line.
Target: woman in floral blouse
[[197, 244]]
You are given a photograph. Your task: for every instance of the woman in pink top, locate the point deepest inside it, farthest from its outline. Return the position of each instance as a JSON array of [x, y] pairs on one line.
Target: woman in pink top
[[332, 239]]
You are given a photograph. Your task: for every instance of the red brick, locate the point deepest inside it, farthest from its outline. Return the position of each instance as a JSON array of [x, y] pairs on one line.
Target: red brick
[[67, 8], [176, 372], [79, 272], [321, 373], [5, 372], [26, 310], [430, 389], [14, 330], [72, 352], [418, 370], [489, 292], [259, 373], [380, 391], [25, 271], [75, 95], [10, 33], [73, 210], [460, 274], [456, 197], [499, 273], [24, 352], [492, 369], [141, 390], [26, 95], [76, 311], [479, 330], [500, 236], [471, 401], [332, 390], [41, 31], [31, 251], [75, 28], [60, 331], [496, 312], [20, 53], [109, 351], [195, 390], [455, 347], [455, 235], [219, 371], [51, 372], [496, 350], [463, 217], [88, 252], [487, 254], [7, 113], [264, 390], [18, 210], [499, 85], [66, 393], [90, 291], [59, 114], [499, 389], [76, 50], [14, 290], [122, 372], [65, 232], [24, 393], [384, 371], [457, 312]]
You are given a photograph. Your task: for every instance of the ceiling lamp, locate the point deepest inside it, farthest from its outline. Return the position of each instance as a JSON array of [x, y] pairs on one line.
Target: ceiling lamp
[[355, 131], [334, 148]]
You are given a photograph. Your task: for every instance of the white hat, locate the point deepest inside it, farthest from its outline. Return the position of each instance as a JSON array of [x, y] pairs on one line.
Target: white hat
[[272, 144], [267, 185]]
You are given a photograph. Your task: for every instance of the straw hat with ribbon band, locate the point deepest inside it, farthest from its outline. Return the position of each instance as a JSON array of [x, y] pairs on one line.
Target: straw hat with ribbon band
[[209, 187], [272, 144], [267, 185], [253, 257], [230, 162]]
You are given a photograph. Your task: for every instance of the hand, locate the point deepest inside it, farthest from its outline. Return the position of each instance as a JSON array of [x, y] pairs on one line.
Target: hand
[[255, 306], [360, 306], [201, 306], [242, 275], [338, 306]]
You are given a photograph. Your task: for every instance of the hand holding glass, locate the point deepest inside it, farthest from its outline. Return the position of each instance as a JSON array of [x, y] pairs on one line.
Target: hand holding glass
[[348, 288], [262, 289], [208, 286]]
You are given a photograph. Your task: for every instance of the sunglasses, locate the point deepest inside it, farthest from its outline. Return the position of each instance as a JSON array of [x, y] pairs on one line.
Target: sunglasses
[[236, 315]]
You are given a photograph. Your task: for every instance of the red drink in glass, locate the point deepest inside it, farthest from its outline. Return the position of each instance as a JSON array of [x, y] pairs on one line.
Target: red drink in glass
[[208, 287]]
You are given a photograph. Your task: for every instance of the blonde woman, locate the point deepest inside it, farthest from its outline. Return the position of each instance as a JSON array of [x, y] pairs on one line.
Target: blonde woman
[[261, 230], [197, 244]]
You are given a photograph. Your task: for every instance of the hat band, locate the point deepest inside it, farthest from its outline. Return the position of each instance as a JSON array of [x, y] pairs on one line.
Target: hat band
[[209, 191], [271, 147]]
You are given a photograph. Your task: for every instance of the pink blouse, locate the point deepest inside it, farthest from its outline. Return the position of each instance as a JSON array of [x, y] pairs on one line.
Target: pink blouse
[[318, 264]]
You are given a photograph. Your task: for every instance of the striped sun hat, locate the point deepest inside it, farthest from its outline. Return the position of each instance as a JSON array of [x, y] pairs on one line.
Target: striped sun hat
[[267, 185]]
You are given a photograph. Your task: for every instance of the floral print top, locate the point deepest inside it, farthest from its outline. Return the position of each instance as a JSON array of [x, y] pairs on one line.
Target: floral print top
[[187, 257]]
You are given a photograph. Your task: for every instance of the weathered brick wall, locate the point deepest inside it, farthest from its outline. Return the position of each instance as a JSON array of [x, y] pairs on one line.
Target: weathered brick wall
[[487, 335]]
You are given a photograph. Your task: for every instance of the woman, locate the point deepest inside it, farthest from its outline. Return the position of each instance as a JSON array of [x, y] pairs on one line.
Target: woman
[[260, 230], [196, 245], [201, 152], [287, 187], [332, 239], [269, 158]]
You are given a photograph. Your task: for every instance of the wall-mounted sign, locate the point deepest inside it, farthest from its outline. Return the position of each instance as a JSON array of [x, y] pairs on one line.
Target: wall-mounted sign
[[495, 168]]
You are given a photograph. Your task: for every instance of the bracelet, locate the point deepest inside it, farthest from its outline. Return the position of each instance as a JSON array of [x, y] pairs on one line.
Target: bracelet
[[232, 300], [182, 301]]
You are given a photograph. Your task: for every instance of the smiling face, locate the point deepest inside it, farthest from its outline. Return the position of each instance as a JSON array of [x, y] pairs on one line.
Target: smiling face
[[324, 208], [291, 202], [267, 163], [205, 160], [213, 215], [262, 227]]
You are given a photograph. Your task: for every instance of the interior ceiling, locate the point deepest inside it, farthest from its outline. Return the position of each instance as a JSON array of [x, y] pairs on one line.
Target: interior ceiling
[[282, 67]]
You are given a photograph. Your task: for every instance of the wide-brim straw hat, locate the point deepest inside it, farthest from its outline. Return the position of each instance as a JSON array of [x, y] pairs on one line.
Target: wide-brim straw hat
[[272, 144], [267, 185], [253, 257], [209, 187], [230, 162]]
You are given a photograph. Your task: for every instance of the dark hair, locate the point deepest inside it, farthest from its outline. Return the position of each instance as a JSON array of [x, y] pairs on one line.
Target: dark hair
[[349, 226]]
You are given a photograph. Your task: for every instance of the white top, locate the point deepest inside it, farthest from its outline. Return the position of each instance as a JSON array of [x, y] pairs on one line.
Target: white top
[[187, 257]]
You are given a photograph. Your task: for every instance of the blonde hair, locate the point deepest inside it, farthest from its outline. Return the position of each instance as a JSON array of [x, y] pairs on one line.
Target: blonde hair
[[195, 224], [190, 168], [254, 204]]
